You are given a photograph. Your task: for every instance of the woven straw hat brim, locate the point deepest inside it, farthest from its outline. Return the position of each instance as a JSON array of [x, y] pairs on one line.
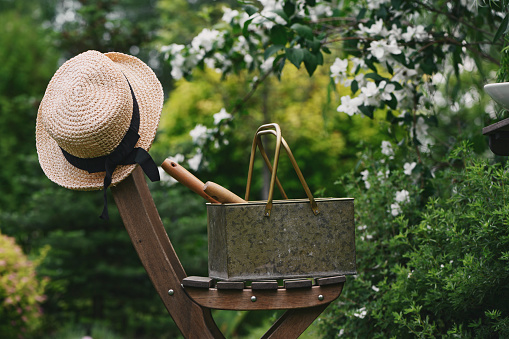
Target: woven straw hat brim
[[149, 95]]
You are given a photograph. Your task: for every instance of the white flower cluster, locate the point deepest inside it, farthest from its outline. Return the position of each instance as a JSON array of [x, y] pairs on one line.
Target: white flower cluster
[[201, 135], [184, 58], [402, 197], [383, 45], [209, 45]]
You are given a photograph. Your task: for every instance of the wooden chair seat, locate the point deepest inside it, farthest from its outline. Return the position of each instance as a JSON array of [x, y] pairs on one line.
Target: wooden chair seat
[[189, 305], [298, 295]]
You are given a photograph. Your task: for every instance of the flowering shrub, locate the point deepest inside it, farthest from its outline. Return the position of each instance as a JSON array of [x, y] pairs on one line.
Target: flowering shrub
[[411, 63], [433, 267], [21, 292]]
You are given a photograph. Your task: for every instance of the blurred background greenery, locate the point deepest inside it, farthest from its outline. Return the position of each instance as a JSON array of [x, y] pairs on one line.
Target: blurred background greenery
[[94, 283]]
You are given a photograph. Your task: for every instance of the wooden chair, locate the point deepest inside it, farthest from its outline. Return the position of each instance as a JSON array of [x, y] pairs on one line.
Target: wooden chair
[[189, 300]]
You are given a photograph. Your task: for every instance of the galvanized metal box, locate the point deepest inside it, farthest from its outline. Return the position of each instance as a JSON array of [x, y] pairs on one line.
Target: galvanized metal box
[[245, 244]]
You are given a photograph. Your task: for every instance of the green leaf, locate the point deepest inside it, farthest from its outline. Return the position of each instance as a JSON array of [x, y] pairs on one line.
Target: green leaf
[[362, 13], [278, 35], [245, 29], [303, 31], [289, 8], [393, 103], [354, 86], [503, 27], [326, 49], [367, 110], [250, 9], [319, 58], [278, 65], [374, 76], [271, 50], [282, 14], [397, 85], [295, 55], [314, 44], [371, 65], [396, 3], [311, 3], [310, 61], [389, 68], [389, 116]]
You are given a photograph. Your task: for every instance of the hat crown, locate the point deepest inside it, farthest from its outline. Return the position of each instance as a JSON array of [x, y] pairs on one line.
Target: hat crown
[[87, 107]]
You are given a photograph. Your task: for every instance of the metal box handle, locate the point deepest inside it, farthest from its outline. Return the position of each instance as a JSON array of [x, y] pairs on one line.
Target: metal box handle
[[274, 129]]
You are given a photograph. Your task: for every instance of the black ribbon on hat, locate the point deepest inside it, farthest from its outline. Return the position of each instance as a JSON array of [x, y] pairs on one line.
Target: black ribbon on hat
[[125, 154]]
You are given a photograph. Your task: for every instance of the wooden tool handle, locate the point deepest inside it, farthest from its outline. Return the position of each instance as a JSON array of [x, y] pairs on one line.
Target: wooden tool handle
[[186, 178], [221, 194]]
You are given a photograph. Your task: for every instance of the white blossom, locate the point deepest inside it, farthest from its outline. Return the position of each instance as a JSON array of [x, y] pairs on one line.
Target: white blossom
[[195, 161], [381, 49], [349, 106], [222, 115], [415, 32], [165, 178], [374, 288], [375, 29], [361, 313], [178, 158], [338, 69], [421, 132], [229, 14], [395, 209], [395, 32], [207, 38], [320, 10], [386, 90], [365, 175], [381, 175], [370, 90], [266, 66], [375, 4], [402, 196], [387, 148], [408, 167], [199, 134]]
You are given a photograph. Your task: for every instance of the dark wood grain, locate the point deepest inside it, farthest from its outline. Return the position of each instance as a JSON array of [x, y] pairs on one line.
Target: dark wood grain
[[330, 280], [299, 283], [157, 255], [279, 299], [200, 282], [294, 322]]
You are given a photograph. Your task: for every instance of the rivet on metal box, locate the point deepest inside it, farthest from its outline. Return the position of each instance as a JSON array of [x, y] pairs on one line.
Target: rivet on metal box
[[280, 239]]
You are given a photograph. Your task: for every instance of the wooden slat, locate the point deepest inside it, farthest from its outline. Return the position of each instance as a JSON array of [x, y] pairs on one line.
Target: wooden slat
[[199, 282], [278, 299], [330, 280], [230, 285], [156, 253], [264, 285], [301, 283]]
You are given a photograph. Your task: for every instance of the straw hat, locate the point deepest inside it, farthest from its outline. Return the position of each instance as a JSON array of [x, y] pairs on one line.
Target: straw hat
[[86, 113]]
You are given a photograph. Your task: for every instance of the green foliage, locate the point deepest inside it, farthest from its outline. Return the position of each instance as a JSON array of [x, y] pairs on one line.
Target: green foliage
[[27, 65], [105, 26], [21, 291], [438, 268], [318, 137]]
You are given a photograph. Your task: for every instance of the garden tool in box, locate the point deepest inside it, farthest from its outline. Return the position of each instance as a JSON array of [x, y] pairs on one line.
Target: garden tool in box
[[280, 239]]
